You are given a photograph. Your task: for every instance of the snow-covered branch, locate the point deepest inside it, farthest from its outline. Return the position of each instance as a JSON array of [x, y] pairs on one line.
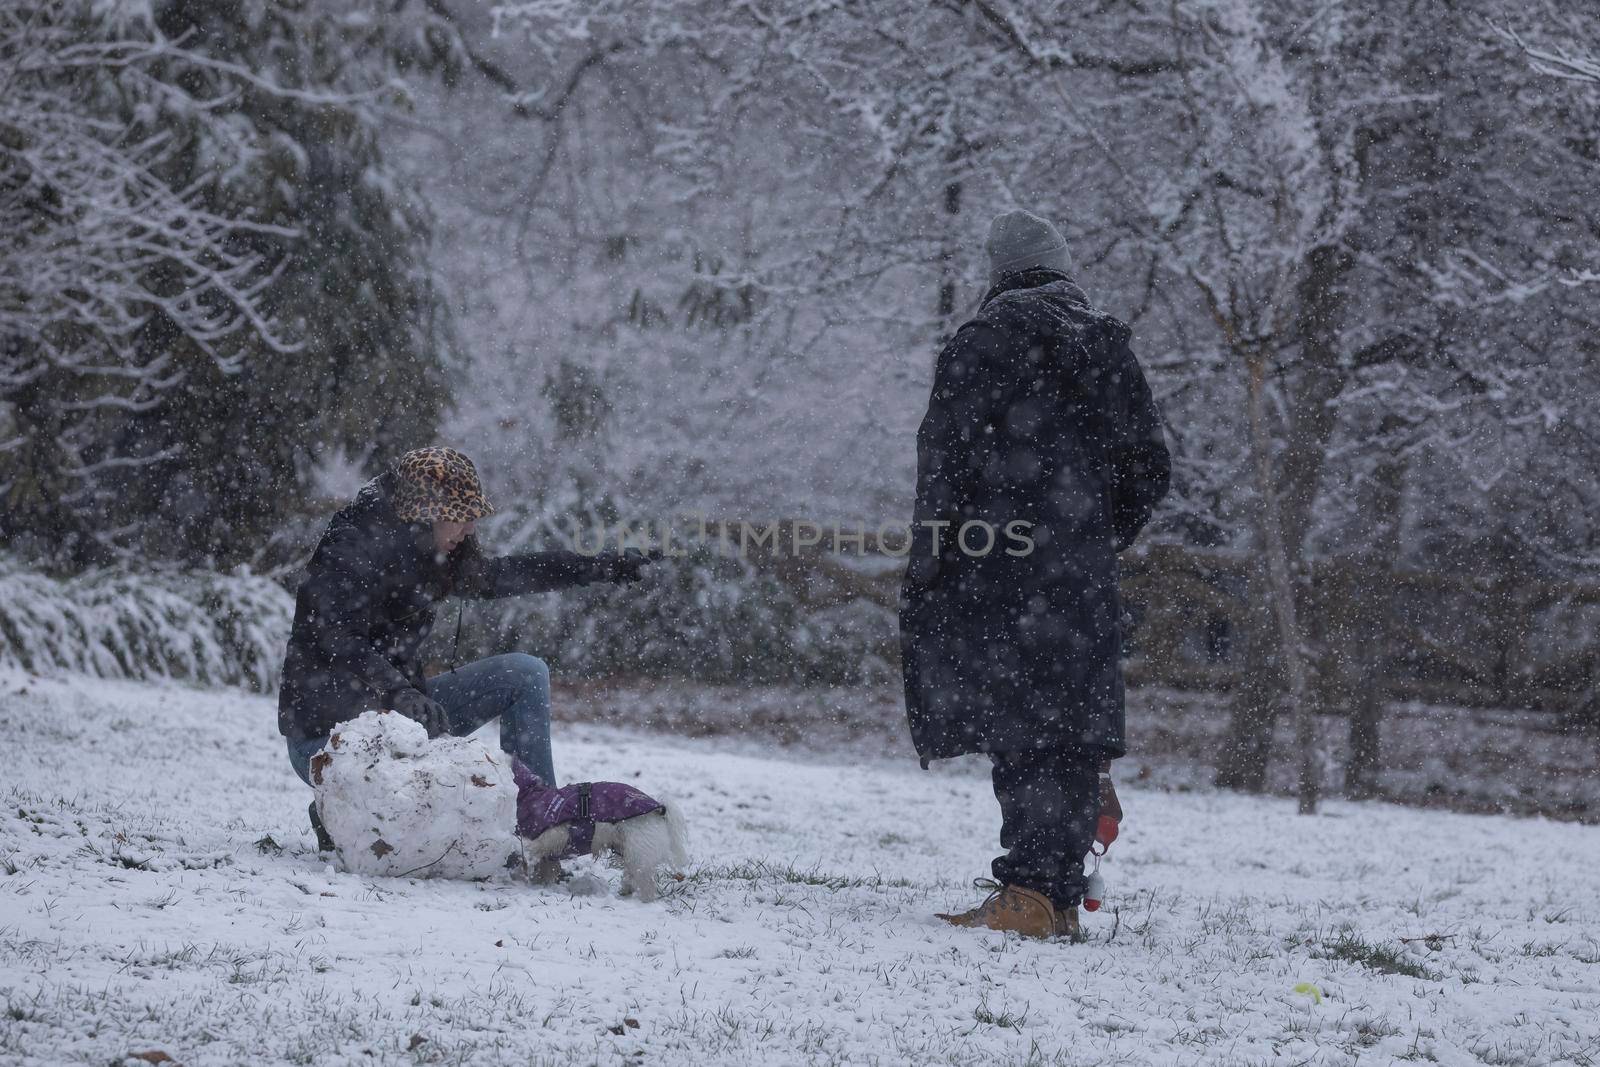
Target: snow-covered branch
[[1577, 63]]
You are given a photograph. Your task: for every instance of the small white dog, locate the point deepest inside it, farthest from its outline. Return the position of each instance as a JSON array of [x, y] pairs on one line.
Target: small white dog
[[599, 819]]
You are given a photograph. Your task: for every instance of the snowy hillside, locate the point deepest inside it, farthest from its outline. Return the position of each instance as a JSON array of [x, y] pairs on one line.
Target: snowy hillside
[[143, 908]]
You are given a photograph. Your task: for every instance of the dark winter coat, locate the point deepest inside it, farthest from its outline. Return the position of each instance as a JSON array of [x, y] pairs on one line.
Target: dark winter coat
[[366, 603], [1039, 413]]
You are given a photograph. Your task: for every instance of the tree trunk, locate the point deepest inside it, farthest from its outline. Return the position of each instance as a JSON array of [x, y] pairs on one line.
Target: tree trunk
[[1372, 597], [1242, 764], [947, 268], [1366, 587], [1361, 769], [955, 247], [1280, 581], [1288, 488]]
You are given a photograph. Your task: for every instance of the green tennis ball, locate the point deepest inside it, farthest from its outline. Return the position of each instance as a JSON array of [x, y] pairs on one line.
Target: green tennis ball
[[1311, 991]]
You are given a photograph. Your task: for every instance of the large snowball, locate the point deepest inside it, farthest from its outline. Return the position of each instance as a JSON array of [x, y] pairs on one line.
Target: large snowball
[[396, 803]]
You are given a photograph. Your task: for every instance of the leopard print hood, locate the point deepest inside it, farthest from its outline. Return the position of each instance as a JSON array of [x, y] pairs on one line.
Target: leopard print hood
[[437, 485]]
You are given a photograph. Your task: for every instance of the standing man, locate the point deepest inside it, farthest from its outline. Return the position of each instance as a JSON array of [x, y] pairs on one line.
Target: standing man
[[1041, 416], [366, 603]]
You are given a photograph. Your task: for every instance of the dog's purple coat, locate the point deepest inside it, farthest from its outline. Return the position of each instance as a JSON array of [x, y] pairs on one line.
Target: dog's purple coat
[[541, 807]]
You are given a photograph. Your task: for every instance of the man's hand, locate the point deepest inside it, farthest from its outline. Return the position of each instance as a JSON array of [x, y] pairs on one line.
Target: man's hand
[[627, 566], [419, 707]]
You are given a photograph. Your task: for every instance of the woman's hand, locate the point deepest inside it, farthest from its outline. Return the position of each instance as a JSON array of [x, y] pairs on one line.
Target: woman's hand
[[420, 708], [628, 565]]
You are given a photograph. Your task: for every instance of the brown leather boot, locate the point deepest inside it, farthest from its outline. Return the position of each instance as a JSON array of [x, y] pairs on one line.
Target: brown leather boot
[[1012, 908]]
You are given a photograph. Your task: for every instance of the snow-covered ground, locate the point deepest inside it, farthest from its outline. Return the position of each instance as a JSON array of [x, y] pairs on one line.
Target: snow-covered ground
[[142, 908]]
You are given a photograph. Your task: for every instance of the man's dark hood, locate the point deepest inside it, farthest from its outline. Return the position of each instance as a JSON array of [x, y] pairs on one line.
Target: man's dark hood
[[1038, 282]]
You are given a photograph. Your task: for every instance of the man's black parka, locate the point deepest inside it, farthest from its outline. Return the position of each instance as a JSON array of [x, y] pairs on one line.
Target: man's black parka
[[1039, 414]]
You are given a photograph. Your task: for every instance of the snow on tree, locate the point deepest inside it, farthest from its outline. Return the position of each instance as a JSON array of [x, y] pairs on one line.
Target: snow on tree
[[101, 244], [1277, 195], [1573, 57], [223, 280]]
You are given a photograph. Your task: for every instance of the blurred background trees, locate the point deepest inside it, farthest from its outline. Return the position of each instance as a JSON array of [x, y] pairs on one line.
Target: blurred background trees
[[664, 257]]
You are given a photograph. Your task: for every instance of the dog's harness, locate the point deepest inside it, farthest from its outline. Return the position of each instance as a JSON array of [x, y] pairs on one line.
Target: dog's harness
[[577, 807], [586, 800]]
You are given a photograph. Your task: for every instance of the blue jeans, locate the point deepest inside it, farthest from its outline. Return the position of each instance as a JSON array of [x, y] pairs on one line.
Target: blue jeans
[[514, 687]]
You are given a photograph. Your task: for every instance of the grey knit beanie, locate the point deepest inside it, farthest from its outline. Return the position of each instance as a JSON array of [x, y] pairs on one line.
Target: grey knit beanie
[[1021, 240]]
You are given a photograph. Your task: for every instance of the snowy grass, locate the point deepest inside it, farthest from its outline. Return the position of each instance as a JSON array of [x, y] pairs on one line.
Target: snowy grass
[[158, 892]]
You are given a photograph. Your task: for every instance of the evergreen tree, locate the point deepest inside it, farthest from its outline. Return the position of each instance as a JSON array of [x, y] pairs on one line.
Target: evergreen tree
[[212, 405]]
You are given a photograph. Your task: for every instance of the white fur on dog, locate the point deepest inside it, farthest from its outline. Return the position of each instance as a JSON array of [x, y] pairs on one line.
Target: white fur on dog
[[641, 845], [396, 803]]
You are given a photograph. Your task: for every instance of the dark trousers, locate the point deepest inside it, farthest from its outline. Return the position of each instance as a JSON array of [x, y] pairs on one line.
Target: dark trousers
[[1049, 801]]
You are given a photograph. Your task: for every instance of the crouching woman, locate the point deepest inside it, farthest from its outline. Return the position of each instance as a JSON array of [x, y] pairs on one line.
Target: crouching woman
[[366, 604]]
